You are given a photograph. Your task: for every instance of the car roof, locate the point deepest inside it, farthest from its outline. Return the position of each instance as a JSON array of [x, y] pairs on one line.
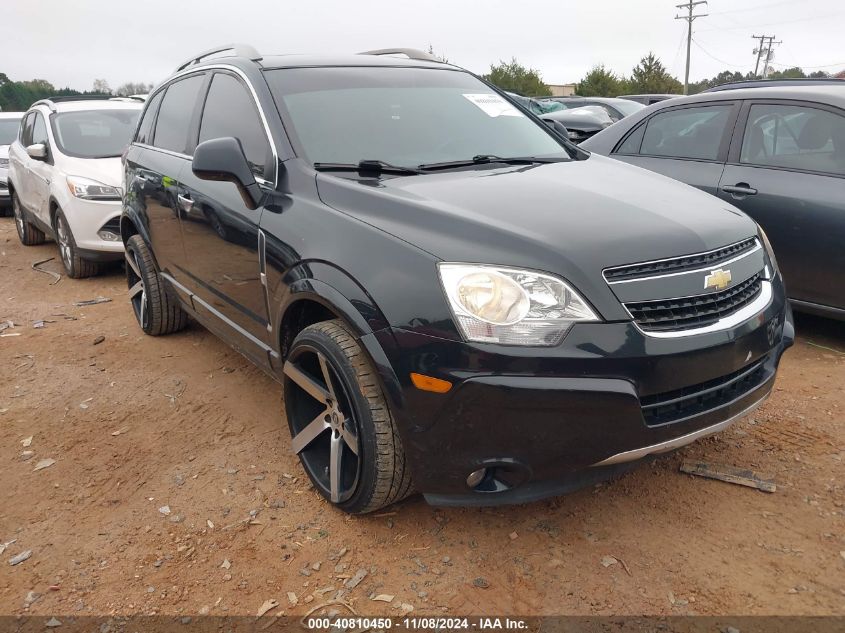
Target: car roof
[[11, 115], [825, 93], [270, 62]]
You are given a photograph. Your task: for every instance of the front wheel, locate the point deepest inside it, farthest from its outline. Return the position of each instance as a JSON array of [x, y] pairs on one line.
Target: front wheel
[[76, 267], [156, 312], [340, 424]]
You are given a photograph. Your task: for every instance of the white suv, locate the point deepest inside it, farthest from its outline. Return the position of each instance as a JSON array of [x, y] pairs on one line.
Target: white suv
[[65, 175]]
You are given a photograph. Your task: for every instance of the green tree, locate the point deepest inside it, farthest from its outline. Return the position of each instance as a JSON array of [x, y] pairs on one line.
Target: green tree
[[600, 82], [787, 73], [432, 52], [515, 77], [651, 77], [819, 74], [101, 86]]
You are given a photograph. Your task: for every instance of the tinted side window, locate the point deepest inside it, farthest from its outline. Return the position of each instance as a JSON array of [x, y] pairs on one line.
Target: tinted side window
[[687, 133], [794, 137], [631, 145], [230, 111], [39, 130], [26, 129], [145, 130], [175, 113]]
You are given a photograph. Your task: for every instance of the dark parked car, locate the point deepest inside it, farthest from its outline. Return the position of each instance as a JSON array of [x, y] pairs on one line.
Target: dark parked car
[[648, 99], [580, 124], [457, 300], [615, 108], [777, 153]]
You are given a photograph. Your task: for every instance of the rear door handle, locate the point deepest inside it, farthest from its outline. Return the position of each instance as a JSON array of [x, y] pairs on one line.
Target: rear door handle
[[185, 203], [740, 189]]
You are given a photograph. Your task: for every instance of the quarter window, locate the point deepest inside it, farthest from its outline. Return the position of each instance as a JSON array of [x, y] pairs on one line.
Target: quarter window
[[230, 111], [145, 130], [693, 133], [174, 116], [794, 137]]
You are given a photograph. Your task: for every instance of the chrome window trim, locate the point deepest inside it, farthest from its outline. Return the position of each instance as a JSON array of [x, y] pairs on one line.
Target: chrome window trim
[[683, 440], [740, 316], [245, 79], [757, 247]]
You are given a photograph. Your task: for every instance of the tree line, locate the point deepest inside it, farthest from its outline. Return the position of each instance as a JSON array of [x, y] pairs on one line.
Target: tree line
[[17, 96], [649, 76]]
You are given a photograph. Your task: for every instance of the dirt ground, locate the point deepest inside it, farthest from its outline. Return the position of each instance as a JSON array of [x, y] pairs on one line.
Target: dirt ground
[[137, 423]]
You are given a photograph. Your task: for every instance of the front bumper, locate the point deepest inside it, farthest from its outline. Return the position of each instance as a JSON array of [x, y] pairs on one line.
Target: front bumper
[[544, 421], [86, 219], [5, 197]]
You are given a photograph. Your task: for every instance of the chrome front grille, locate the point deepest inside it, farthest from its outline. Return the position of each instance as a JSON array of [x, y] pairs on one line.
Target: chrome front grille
[[694, 312], [696, 293]]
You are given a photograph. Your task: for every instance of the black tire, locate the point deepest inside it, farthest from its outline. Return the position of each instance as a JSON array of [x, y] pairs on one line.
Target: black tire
[[381, 476], [75, 266], [28, 234], [155, 310]]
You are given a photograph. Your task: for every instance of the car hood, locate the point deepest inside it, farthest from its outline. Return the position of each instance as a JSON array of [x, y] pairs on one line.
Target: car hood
[[108, 171], [4, 151], [580, 118], [573, 219]]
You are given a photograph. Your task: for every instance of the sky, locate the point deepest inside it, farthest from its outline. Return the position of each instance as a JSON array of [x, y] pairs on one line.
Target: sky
[[73, 42]]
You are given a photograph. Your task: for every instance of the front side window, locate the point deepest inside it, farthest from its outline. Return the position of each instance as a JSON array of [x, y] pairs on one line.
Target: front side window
[[403, 116], [39, 130], [26, 129], [174, 116], [694, 133], [794, 137], [145, 129], [9, 130], [230, 111], [94, 133]]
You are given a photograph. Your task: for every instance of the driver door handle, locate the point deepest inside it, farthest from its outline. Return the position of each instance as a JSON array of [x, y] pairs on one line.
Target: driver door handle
[[739, 189], [185, 202]]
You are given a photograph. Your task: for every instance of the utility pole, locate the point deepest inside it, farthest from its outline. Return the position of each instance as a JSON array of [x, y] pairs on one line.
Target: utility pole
[[769, 54], [690, 5], [758, 50]]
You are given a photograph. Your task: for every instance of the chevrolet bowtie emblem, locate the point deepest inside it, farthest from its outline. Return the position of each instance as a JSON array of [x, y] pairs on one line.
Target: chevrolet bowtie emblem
[[717, 279]]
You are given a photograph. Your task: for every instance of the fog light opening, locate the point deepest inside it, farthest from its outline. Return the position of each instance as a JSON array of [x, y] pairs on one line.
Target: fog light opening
[[476, 477], [108, 236]]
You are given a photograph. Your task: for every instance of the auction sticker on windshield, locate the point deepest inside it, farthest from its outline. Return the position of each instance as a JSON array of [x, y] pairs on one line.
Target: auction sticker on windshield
[[493, 105]]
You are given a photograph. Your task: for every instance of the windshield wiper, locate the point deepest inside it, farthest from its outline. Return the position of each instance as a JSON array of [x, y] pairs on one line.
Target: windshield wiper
[[367, 166], [483, 159]]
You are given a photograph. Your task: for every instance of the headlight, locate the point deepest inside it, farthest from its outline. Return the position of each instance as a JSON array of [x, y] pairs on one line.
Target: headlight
[[510, 306], [770, 253], [91, 189]]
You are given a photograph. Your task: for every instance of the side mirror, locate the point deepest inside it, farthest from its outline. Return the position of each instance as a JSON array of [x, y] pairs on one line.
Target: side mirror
[[38, 151], [558, 127], [224, 159]]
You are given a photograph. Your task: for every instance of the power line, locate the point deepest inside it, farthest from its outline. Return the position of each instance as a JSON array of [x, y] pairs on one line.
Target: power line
[[711, 56], [690, 18]]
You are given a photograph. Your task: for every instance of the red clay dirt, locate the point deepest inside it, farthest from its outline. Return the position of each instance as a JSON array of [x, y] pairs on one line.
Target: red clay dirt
[[136, 423]]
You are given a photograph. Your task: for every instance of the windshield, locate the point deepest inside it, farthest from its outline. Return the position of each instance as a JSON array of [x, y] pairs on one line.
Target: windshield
[[627, 107], [9, 130], [403, 116], [94, 133]]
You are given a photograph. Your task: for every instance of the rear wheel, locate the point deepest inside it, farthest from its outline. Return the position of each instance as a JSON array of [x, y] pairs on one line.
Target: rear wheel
[[28, 234], [156, 312], [76, 266], [340, 424]]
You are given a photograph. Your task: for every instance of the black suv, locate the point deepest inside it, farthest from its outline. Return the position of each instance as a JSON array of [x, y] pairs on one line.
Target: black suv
[[457, 299]]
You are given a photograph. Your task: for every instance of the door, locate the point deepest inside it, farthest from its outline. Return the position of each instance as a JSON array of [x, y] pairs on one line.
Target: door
[[41, 171], [221, 233], [19, 161], [687, 143], [787, 171], [156, 162]]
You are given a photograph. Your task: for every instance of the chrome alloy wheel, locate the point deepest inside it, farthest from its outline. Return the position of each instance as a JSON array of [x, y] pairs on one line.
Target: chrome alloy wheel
[[137, 291], [323, 425], [16, 208], [63, 238]]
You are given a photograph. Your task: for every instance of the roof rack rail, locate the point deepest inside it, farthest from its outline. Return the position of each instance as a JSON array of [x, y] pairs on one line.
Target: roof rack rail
[[238, 50], [410, 53], [127, 98], [786, 81]]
